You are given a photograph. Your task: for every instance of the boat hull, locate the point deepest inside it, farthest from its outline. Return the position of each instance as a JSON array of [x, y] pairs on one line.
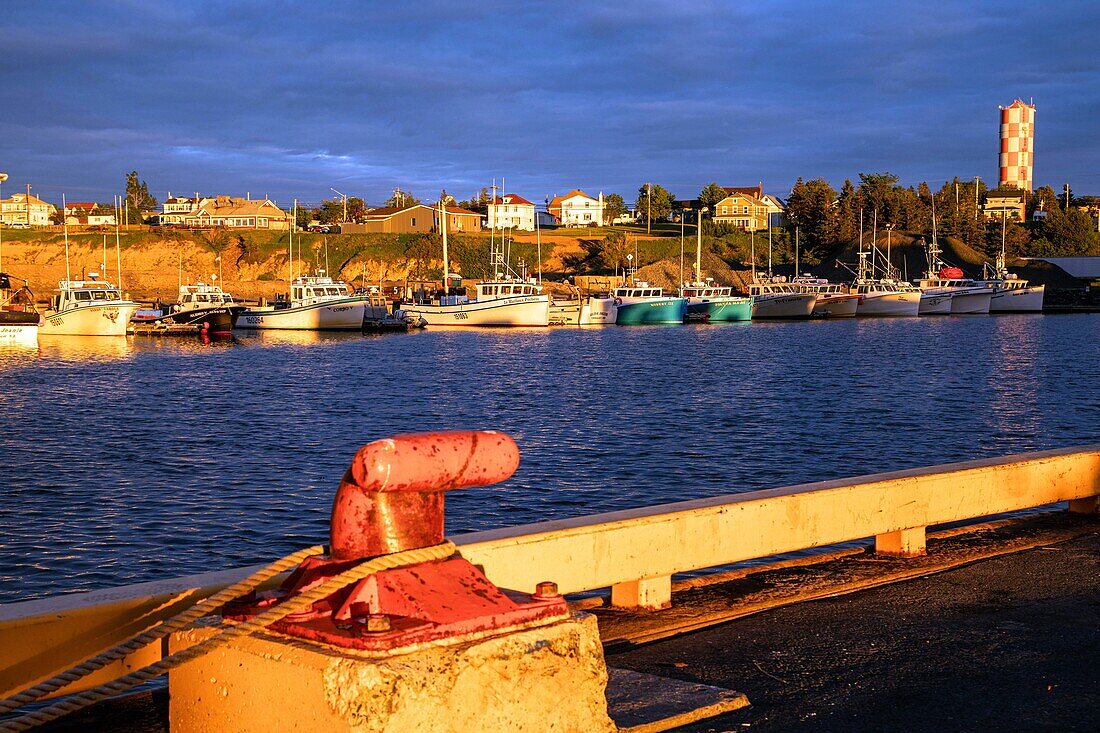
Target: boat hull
[[971, 303], [835, 307], [109, 319], [587, 312], [216, 320], [787, 305], [889, 305], [934, 304], [1018, 300], [651, 312], [722, 309], [336, 315], [519, 311], [19, 327]]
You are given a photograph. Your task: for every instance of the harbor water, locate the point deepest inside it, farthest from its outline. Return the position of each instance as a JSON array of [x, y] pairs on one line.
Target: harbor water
[[125, 460]]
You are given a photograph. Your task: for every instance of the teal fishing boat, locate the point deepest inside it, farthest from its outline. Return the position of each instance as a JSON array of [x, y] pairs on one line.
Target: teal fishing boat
[[641, 304], [718, 303]]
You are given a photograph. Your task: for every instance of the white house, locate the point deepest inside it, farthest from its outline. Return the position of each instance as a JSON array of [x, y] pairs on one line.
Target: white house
[[21, 210], [577, 209], [176, 208], [512, 212]]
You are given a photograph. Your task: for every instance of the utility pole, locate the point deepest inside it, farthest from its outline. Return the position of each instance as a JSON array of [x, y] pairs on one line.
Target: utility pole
[[63, 213], [977, 214], [3, 177], [1067, 196], [345, 201], [648, 207]]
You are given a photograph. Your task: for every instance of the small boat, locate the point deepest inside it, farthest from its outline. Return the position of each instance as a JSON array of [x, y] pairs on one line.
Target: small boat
[[19, 319], [90, 307], [590, 310], [881, 296], [207, 306], [833, 299], [642, 304], [316, 303], [934, 302]]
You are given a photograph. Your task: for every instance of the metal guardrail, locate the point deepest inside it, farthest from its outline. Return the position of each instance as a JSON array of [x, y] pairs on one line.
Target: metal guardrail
[[635, 552]]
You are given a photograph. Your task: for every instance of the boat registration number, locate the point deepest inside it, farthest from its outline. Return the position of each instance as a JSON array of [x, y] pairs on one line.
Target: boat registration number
[[461, 316], [253, 320]]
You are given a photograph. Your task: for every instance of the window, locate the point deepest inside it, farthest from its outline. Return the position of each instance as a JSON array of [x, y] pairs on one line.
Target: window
[[83, 296], [414, 221]]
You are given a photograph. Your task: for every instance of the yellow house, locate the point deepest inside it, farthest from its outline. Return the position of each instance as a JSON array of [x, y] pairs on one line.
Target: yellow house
[[22, 210], [742, 210]]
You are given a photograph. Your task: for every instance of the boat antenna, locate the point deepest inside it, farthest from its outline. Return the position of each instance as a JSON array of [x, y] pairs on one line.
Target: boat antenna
[[65, 225], [326, 253], [538, 242], [769, 247], [796, 250], [752, 252]]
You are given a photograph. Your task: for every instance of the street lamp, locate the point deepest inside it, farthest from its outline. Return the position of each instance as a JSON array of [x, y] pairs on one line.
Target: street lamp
[[345, 201]]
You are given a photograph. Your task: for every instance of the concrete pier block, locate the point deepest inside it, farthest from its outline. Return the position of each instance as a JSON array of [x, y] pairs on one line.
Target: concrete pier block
[[1088, 505], [648, 593], [546, 678], [903, 543]]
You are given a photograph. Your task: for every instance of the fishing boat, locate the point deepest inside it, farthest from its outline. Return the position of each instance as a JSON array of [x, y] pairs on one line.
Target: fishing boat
[[881, 296], [965, 295], [508, 299], [1010, 293], [19, 319], [773, 297], [91, 307], [315, 303], [584, 310], [642, 304], [833, 299], [206, 306], [717, 303], [705, 298]]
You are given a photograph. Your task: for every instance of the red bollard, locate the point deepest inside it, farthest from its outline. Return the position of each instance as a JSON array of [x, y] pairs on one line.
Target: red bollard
[[390, 500]]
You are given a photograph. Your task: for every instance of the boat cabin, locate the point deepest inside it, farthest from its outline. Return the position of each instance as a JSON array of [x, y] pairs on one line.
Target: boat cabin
[[201, 295], [867, 287], [771, 288], [505, 289], [939, 282], [638, 290], [306, 290], [818, 285], [83, 293], [704, 290]]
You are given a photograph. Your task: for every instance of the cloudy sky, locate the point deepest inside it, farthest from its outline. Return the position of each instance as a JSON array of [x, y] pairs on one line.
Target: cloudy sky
[[291, 98]]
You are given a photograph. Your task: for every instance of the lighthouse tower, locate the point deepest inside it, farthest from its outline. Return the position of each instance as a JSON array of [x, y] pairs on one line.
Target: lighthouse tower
[[1017, 145]]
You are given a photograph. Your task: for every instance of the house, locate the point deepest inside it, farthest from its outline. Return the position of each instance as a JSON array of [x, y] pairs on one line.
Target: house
[[414, 218], [176, 208], [744, 210], [577, 209], [511, 211], [1005, 203], [23, 210], [88, 213], [229, 212]]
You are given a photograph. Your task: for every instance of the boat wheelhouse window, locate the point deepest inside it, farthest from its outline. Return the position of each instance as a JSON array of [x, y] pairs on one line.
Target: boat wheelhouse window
[[84, 295], [335, 291], [226, 298], [188, 298]]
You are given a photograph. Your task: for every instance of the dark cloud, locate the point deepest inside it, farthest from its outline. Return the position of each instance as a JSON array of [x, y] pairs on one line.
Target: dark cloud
[[288, 99]]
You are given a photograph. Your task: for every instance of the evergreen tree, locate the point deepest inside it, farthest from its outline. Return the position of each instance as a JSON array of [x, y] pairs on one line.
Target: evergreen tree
[[812, 210], [711, 195]]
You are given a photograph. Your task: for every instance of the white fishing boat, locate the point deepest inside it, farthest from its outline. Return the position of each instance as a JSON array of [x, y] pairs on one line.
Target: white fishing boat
[[90, 307], [775, 298], [506, 300], [584, 310], [1010, 293], [19, 319], [833, 299], [886, 296], [965, 296], [316, 303]]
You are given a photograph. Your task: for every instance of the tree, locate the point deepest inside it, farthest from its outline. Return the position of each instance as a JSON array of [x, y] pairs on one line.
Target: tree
[[478, 203], [1066, 234], [332, 210], [654, 202], [401, 199], [614, 250], [849, 205], [613, 207], [711, 195], [811, 208], [137, 194], [1015, 238], [303, 216], [1043, 199], [880, 191]]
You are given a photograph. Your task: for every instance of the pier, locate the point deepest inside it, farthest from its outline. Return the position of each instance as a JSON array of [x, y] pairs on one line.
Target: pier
[[628, 568]]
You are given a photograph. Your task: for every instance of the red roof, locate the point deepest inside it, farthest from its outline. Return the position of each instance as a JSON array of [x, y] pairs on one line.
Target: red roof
[[512, 199]]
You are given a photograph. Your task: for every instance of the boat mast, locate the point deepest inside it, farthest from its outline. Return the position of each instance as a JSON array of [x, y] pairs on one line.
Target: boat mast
[[538, 242], [769, 248], [699, 247], [290, 256], [446, 254], [65, 223], [796, 251], [752, 252], [104, 255], [862, 274], [118, 249], [682, 225]]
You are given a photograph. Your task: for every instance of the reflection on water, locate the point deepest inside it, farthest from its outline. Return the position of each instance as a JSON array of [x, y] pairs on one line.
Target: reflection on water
[[130, 459]]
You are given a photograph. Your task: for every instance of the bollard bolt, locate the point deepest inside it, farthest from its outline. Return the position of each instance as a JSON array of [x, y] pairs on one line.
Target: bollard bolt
[[546, 589], [378, 623]]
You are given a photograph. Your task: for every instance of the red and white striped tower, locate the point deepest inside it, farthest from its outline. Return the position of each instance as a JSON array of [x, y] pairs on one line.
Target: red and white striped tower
[[1017, 144]]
